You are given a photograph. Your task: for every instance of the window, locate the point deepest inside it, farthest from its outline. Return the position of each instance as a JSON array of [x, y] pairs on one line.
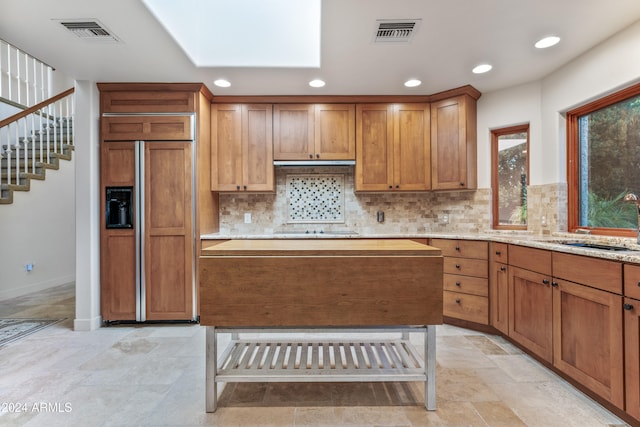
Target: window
[[603, 154], [510, 176]]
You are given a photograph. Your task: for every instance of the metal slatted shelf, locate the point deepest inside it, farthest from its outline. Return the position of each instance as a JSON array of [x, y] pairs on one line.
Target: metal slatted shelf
[[353, 360], [361, 358]]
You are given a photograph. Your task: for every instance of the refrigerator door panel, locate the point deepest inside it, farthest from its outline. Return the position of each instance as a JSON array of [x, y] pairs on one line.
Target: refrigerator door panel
[[168, 249]]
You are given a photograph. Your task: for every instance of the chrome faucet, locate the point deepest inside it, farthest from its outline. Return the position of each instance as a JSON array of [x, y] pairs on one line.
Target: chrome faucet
[[630, 197]]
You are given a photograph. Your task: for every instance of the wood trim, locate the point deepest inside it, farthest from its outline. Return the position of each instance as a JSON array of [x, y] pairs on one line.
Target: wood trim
[[348, 99], [495, 199], [573, 165], [153, 87], [36, 107]]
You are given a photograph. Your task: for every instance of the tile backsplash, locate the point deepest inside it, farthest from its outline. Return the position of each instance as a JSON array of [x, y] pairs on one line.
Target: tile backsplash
[[454, 211]]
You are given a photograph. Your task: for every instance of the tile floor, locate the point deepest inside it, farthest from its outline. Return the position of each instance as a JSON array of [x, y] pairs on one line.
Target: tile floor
[[154, 376]]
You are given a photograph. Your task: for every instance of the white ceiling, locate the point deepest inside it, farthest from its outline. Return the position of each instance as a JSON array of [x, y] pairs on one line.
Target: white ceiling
[[454, 36]]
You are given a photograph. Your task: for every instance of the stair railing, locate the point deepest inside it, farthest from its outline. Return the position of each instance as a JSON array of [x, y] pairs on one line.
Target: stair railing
[[33, 136], [24, 80]]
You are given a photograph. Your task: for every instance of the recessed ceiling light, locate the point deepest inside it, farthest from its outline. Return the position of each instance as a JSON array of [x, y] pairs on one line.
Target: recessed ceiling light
[[316, 83], [547, 42], [482, 68], [222, 83], [412, 83]]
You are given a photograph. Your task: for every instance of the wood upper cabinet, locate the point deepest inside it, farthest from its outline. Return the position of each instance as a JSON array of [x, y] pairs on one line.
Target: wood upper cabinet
[[242, 152], [499, 286], [453, 143], [392, 147], [314, 131]]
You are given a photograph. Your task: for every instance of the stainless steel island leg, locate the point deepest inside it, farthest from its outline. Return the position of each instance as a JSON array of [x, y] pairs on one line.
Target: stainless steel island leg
[[211, 363], [430, 368]]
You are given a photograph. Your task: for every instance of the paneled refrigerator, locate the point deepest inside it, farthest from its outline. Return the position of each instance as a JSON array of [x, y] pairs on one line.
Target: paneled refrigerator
[[147, 238]]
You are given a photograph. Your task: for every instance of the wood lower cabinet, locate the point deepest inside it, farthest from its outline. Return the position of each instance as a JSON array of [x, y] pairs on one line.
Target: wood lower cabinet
[[530, 300], [392, 147], [242, 150], [588, 338], [314, 131], [465, 279], [530, 311], [499, 286], [632, 356]]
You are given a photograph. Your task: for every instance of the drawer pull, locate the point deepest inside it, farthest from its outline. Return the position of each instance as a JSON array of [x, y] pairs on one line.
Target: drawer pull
[[503, 268], [554, 284], [457, 300], [457, 283], [639, 284], [458, 266], [545, 281], [457, 248], [498, 253], [628, 307]]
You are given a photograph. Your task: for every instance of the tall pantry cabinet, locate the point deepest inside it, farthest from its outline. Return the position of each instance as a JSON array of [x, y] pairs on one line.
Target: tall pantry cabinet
[[155, 147]]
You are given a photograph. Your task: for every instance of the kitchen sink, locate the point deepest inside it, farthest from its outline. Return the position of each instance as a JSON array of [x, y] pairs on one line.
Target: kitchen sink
[[595, 246]]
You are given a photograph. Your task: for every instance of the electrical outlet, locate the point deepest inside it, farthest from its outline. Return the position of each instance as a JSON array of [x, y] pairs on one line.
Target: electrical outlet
[[247, 217], [445, 219]]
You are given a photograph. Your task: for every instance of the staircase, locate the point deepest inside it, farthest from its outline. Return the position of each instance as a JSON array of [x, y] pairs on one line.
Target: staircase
[[33, 155]]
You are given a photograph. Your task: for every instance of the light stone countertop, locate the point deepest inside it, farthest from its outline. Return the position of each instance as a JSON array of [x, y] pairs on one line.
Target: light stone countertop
[[548, 242]]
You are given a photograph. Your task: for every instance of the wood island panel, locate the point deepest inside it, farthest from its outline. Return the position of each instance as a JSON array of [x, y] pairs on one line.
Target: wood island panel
[[316, 283]]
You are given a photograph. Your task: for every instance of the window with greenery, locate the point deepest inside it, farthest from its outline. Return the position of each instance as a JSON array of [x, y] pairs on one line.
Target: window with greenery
[[510, 176], [603, 157]]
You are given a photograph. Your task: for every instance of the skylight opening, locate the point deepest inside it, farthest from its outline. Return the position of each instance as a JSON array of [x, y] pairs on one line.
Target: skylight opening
[[244, 33]]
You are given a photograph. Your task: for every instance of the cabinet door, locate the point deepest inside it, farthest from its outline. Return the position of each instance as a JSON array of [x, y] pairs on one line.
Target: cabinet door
[[293, 131], [530, 311], [168, 245], [128, 128], [226, 147], [632, 356], [453, 144], [335, 132], [588, 338], [117, 246], [499, 296], [412, 151], [374, 147], [257, 148]]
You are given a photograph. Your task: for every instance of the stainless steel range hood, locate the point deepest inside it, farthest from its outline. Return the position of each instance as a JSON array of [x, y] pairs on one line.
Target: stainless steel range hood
[[316, 162]]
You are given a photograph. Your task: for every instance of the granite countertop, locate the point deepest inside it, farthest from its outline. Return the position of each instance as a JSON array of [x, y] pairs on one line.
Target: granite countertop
[[553, 241]]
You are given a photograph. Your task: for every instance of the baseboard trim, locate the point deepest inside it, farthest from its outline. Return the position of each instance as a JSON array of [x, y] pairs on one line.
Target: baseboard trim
[[87, 325]]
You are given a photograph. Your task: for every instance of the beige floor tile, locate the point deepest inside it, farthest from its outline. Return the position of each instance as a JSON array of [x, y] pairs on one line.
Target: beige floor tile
[[153, 375]]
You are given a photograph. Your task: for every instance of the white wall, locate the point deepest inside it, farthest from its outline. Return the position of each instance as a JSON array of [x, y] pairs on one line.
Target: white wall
[[39, 228], [612, 65]]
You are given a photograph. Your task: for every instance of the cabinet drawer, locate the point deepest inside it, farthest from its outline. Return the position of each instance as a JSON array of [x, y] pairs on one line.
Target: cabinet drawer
[[466, 284], [498, 252], [632, 281], [473, 308], [462, 248], [530, 259], [466, 266], [595, 272]]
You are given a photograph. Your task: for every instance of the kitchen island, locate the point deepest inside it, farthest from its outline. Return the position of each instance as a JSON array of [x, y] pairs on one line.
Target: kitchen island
[[338, 285]]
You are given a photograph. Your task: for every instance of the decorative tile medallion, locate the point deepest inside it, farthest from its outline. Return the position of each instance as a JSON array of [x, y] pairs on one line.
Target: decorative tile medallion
[[315, 198]]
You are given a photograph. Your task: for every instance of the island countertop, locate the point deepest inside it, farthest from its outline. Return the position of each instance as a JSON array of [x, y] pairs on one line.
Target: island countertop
[[327, 247]]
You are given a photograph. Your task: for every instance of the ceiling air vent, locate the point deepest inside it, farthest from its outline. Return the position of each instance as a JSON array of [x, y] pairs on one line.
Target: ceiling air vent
[[89, 29], [395, 30]]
